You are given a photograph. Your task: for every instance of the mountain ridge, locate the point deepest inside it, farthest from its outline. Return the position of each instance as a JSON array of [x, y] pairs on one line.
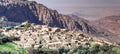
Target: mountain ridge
[[39, 14]]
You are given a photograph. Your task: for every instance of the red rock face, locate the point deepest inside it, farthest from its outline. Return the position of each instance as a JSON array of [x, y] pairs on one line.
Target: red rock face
[[110, 23]]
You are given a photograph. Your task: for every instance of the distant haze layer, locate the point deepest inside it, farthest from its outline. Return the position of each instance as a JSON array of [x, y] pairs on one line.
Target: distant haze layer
[[90, 9]]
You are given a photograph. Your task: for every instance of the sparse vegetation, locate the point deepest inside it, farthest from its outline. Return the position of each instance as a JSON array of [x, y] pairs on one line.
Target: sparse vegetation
[[96, 49], [26, 24], [8, 47], [11, 48], [5, 39]]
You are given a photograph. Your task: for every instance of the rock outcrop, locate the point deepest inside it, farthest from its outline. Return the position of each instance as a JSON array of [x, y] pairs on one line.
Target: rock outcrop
[[20, 11]]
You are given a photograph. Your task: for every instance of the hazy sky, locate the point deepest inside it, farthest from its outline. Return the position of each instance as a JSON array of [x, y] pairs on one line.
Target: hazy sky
[[72, 5], [84, 7]]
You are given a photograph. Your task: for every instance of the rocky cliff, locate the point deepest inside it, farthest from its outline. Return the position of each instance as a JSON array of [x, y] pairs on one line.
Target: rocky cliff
[[20, 11]]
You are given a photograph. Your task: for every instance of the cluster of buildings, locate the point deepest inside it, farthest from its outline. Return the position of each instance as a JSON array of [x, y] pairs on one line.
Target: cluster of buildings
[[42, 36]]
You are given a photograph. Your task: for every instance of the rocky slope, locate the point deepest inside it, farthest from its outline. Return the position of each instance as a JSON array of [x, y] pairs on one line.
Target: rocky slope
[[110, 23], [20, 11]]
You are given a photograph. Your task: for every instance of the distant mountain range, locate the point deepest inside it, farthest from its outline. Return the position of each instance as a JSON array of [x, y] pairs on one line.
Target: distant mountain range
[[94, 13], [110, 23]]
